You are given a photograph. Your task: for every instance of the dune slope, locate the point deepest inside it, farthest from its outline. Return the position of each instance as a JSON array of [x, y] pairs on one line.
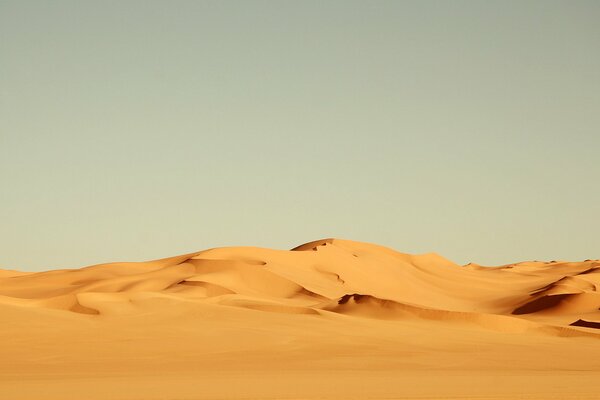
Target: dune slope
[[359, 317]]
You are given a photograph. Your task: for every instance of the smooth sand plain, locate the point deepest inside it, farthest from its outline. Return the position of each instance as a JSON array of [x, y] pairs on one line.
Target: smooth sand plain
[[331, 319]]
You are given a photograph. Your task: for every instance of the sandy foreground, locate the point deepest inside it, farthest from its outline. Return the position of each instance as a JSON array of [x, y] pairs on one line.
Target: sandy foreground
[[331, 319]]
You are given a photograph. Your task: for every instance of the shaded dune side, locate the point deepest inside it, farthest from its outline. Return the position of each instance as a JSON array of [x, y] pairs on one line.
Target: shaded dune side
[[569, 294], [372, 307], [586, 324]]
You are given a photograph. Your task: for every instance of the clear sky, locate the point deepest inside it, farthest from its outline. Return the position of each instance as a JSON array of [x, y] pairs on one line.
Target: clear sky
[[138, 130]]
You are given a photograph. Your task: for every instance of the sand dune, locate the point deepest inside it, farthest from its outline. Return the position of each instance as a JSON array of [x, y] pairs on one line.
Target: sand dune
[[295, 317]]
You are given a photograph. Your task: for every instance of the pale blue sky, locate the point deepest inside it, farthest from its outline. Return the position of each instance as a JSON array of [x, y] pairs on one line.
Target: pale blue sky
[[138, 130]]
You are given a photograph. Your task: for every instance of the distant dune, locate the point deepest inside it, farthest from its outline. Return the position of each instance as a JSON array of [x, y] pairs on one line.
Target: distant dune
[[328, 319]]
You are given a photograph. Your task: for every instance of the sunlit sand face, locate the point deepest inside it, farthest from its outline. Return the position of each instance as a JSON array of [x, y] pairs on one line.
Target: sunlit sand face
[[331, 318]]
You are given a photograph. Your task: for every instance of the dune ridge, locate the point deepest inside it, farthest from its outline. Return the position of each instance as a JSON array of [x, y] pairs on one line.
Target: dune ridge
[[318, 274]]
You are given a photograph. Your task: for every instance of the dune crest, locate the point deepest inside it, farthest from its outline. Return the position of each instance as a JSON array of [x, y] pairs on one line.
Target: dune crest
[[317, 274]]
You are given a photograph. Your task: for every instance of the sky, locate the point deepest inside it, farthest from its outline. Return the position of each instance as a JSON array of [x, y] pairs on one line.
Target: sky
[[136, 130]]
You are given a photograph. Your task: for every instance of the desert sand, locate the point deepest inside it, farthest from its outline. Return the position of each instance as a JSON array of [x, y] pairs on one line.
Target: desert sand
[[331, 319]]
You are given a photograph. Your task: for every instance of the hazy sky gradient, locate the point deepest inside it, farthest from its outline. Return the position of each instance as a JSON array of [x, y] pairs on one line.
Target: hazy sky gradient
[[139, 130]]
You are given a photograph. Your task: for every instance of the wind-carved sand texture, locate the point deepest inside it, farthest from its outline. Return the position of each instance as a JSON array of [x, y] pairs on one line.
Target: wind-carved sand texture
[[331, 319]]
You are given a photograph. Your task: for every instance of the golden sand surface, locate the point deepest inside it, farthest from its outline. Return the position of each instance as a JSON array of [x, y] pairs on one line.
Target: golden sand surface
[[331, 319]]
